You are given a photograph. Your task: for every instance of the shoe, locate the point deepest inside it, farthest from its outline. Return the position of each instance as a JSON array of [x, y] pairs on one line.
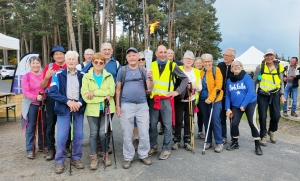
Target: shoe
[[68, 152], [208, 146], [234, 145], [107, 161], [146, 161], [50, 155], [59, 168], [78, 164], [30, 156], [224, 140], [285, 114], [126, 164], [175, 146], [272, 136], [294, 114], [136, 144], [219, 148], [201, 136], [263, 141], [164, 155], [40, 149], [94, 162], [258, 150], [161, 130], [152, 150], [188, 147]]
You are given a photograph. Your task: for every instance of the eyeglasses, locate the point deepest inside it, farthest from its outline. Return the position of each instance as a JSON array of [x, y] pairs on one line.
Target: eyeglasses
[[98, 62], [142, 59], [237, 65], [224, 55]]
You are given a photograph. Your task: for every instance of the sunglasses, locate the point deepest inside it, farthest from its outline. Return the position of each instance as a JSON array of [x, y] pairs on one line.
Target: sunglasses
[[142, 59], [98, 62]]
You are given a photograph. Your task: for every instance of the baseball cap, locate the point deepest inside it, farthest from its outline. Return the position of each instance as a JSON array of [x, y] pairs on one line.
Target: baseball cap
[[132, 49], [57, 48], [269, 51]]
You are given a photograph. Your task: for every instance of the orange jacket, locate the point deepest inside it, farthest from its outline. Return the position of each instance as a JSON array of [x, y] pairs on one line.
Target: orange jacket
[[213, 84]]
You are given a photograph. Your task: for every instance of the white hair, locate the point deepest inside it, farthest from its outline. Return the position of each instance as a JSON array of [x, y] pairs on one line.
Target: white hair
[[89, 50], [189, 53], [207, 56], [70, 52], [141, 54], [238, 63], [233, 53], [106, 44]]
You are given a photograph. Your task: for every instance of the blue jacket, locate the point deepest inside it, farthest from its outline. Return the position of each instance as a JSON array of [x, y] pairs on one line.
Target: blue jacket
[[240, 93], [58, 92]]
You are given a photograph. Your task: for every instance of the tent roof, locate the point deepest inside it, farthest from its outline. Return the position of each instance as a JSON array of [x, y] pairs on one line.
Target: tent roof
[[8, 43], [251, 56]]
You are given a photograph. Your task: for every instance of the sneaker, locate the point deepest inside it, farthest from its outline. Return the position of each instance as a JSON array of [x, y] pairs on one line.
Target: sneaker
[[272, 136], [201, 136], [224, 140], [175, 146], [30, 156], [294, 114], [152, 150], [126, 164], [50, 155], [285, 114], [219, 148], [59, 168], [263, 141], [188, 147], [208, 146], [146, 161], [164, 155], [136, 144], [78, 164]]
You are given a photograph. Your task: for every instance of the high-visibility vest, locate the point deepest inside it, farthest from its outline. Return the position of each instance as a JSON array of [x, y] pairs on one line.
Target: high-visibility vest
[[197, 73], [270, 81], [161, 83]]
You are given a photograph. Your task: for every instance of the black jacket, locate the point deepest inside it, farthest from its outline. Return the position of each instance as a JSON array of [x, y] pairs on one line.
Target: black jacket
[[226, 73]]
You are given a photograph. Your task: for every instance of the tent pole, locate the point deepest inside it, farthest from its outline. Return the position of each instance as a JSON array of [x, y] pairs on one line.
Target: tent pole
[[18, 58]]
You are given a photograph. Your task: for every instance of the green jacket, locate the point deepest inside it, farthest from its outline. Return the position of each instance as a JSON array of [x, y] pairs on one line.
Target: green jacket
[[107, 88]]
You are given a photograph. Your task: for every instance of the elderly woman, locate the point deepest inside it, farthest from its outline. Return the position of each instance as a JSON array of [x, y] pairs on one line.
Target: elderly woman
[[241, 96], [31, 89], [142, 60], [182, 105], [69, 108], [198, 63], [97, 86], [212, 80]]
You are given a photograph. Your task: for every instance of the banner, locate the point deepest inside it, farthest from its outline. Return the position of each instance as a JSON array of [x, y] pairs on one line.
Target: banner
[[148, 57]]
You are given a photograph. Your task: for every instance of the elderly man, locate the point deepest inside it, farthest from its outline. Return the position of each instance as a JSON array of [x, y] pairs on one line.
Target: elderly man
[[132, 104], [225, 68], [58, 54], [88, 54], [269, 95], [291, 77], [69, 107], [161, 99]]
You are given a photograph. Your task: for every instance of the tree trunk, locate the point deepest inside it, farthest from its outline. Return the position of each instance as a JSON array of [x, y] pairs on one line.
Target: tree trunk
[[5, 53], [79, 39], [58, 33], [70, 25], [55, 42], [30, 42], [99, 25], [136, 27], [68, 39], [145, 26], [93, 38], [103, 30], [44, 50], [114, 27]]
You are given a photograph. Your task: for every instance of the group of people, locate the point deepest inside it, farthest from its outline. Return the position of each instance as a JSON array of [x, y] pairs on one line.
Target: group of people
[[141, 97]]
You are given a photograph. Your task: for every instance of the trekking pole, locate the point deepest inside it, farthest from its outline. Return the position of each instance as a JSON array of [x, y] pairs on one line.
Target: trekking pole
[[211, 111], [191, 114], [72, 134], [105, 132], [42, 121], [112, 135], [39, 116]]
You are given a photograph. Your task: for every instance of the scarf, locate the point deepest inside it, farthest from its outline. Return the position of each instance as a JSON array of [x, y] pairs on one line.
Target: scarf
[[162, 63], [240, 76]]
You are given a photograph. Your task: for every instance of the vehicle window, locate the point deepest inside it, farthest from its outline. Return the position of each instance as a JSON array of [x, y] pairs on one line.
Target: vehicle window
[[10, 68]]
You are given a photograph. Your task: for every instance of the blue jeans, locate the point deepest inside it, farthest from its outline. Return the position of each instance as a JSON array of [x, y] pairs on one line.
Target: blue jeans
[[63, 127], [294, 91], [30, 128], [94, 131]]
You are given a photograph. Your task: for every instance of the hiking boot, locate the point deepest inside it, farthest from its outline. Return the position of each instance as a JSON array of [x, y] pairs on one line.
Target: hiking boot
[[152, 150], [272, 136], [68, 152], [146, 161], [161, 130], [294, 114], [175, 146], [234, 145], [208, 146], [188, 147], [258, 150], [30, 156], [126, 164], [136, 144], [201, 136], [164, 155], [285, 114], [94, 162], [59, 168], [263, 141], [107, 161], [50, 155], [78, 164], [219, 148], [224, 140]]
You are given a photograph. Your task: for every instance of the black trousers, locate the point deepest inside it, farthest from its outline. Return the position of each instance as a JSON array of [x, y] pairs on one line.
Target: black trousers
[[200, 118]]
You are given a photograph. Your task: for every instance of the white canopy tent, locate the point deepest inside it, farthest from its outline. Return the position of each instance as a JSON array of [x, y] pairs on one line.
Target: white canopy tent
[[10, 43], [253, 57]]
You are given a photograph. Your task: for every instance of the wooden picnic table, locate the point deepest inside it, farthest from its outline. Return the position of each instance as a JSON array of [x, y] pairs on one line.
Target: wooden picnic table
[[6, 105]]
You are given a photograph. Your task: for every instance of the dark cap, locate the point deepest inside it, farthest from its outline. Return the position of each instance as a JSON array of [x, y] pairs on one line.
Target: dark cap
[[132, 49], [57, 48]]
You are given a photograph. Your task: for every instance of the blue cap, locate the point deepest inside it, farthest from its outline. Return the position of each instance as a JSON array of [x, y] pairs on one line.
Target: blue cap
[[57, 48], [132, 49]]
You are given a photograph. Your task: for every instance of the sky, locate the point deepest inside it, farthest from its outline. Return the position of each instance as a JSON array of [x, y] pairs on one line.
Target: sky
[[261, 23]]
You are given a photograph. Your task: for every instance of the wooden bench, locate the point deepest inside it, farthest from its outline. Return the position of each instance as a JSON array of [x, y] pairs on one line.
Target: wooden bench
[[9, 106]]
